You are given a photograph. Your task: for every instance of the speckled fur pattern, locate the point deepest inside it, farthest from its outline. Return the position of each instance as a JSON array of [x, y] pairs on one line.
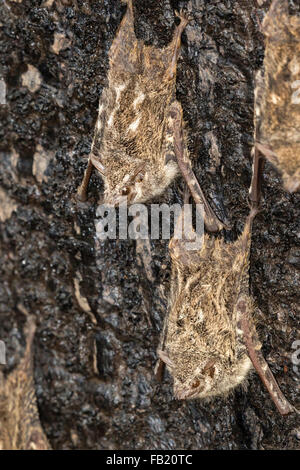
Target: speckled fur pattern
[[209, 340], [131, 147], [203, 348], [20, 427], [277, 99]]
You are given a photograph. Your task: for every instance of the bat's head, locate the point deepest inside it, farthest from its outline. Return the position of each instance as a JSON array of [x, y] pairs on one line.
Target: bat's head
[[206, 375], [145, 182]]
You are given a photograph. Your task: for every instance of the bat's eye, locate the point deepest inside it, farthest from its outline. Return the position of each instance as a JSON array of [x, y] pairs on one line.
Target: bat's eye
[[196, 383], [209, 368], [139, 178], [125, 191], [211, 372]]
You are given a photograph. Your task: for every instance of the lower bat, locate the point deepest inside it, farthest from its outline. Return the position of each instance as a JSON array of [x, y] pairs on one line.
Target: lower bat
[[209, 342]]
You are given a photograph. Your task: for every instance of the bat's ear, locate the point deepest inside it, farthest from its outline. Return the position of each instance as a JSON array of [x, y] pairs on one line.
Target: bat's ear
[[274, 19], [98, 165]]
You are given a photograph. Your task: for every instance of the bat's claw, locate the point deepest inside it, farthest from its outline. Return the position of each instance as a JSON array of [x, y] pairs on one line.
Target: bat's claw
[[165, 358], [159, 370], [184, 17], [81, 196]]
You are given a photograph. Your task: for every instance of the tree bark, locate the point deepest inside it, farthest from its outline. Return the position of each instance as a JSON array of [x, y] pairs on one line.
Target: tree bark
[[99, 307]]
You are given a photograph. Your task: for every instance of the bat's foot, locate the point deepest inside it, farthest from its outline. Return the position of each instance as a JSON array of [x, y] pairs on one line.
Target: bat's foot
[[83, 188], [81, 195], [165, 358], [184, 18]]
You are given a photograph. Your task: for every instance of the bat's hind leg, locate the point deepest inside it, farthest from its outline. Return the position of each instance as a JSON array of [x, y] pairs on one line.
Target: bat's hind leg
[[176, 144], [175, 44], [256, 182], [253, 346], [82, 190]]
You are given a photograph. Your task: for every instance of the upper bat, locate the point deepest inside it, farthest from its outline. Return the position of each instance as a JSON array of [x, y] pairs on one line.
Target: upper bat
[[136, 148], [277, 94], [20, 427], [130, 147]]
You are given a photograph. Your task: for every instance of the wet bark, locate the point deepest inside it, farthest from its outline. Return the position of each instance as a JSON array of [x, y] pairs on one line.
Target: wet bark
[[100, 306]]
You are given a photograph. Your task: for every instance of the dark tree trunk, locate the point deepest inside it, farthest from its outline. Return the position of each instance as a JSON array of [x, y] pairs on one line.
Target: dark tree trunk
[[100, 307]]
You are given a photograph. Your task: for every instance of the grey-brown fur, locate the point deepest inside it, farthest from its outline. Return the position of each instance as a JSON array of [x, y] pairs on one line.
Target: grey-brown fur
[[136, 147], [131, 147], [203, 344], [209, 342], [277, 99], [20, 427]]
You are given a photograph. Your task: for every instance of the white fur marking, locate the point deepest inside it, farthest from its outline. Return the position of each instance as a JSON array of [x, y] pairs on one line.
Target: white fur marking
[[200, 315], [119, 90], [100, 109], [171, 171], [295, 95], [134, 125], [110, 119], [140, 98], [99, 124], [294, 66]]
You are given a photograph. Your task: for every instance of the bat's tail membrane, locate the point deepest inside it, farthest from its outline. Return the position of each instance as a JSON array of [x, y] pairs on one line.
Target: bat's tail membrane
[[125, 51]]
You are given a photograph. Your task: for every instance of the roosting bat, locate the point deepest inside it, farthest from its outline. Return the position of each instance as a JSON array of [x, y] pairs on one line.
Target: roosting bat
[[134, 145], [209, 342], [20, 427], [277, 99]]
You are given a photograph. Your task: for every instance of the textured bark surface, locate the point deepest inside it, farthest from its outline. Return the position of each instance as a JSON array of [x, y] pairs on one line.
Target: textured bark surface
[[100, 307]]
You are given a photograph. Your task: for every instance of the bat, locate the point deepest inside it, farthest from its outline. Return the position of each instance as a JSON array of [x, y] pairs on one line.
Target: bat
[[277, 99], [20, 427], [209, 342], [134, 145]]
